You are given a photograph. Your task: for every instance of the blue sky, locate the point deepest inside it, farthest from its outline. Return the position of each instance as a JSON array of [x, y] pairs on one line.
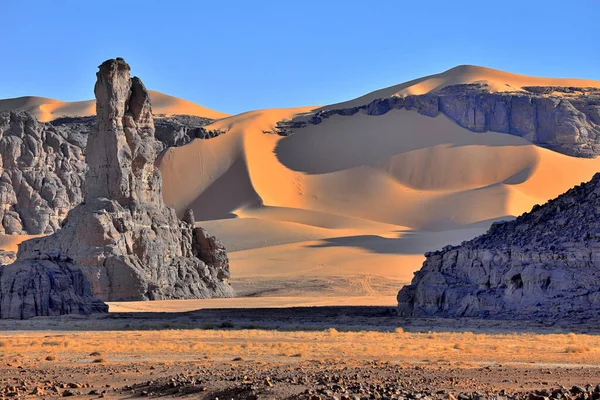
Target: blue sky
[[235, 56]]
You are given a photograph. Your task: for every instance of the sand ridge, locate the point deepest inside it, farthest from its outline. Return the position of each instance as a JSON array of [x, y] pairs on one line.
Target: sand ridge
[[497, 81], [45, 109]]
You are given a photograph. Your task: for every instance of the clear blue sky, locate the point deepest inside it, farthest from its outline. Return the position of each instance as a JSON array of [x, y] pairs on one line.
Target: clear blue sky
[[237, 55]]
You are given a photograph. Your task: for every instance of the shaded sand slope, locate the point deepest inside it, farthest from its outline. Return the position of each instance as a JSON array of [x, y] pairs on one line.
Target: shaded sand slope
[[45, 109], [498, 81], [348, 207]]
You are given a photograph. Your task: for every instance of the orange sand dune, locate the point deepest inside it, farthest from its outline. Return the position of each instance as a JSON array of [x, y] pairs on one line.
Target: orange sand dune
[[349, 206], [498, 81], [45, 109]]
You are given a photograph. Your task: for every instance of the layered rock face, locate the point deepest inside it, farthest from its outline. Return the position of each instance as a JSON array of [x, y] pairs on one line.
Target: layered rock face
[[563, 119], [41, 175], [123, 238], [43, 165], [545, 264]]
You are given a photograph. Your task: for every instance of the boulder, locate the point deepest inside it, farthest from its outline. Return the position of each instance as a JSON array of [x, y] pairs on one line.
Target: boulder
[[51, 285]]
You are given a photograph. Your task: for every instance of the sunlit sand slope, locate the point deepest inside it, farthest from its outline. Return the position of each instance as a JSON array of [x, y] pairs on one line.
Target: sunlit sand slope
[[350, 205], [497, 81]]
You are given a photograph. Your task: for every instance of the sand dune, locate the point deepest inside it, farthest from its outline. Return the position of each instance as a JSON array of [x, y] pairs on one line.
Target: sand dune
[[498, 81], [349, 206], [45, 109]]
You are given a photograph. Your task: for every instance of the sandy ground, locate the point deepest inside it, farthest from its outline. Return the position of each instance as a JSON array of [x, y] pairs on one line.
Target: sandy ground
[[297, 353], [45, 109]]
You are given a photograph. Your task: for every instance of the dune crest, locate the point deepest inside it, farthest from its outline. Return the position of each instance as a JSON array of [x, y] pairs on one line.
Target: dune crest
[[45, 109], [497, 81]]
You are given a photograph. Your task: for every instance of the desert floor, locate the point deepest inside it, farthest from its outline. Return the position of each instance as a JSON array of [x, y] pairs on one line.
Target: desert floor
[[303, 352]]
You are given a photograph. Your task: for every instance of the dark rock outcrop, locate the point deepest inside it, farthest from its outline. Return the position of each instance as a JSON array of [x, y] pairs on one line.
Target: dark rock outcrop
[[50, 285], [545, 264], [121, 242], [563, 119], [171, 131], [178, 130]]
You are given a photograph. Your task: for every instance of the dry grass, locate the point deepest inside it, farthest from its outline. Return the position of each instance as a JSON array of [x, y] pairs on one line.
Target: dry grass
[[577, 349], [266, 345]]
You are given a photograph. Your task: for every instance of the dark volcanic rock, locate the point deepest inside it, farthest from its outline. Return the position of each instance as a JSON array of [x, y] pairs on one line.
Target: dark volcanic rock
[[545, 264]]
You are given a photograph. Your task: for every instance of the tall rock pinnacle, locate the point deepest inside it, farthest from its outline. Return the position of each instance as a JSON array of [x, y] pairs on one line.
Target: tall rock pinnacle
[[121, 167], [122, 242]]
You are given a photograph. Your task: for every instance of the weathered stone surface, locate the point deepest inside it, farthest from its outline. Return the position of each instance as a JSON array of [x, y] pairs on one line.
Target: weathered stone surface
[[122, 241], [566, 120], [41, 175], [48, 286], [129, 244], [7, 257], [178, 130], [541, 265], [43, 165]]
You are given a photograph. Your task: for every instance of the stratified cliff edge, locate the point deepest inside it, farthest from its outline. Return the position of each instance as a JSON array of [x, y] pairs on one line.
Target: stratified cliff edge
[[545, 264], [122, 242], [564, 119]]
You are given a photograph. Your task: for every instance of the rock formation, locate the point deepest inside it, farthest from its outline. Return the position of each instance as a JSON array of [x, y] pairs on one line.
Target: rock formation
[[43, 165], [41, 175], [564, 119], [122, 238], [545, 264], [50, 285]]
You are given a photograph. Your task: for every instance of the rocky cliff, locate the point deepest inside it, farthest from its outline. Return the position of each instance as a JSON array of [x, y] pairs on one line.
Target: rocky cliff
[[41, 175], [545, 264], [122, 239], [43, 165], [564, 119]]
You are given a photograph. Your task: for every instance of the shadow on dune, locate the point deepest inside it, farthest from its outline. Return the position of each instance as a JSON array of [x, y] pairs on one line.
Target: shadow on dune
[[411, 242], [229, 192], [343, 142]]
